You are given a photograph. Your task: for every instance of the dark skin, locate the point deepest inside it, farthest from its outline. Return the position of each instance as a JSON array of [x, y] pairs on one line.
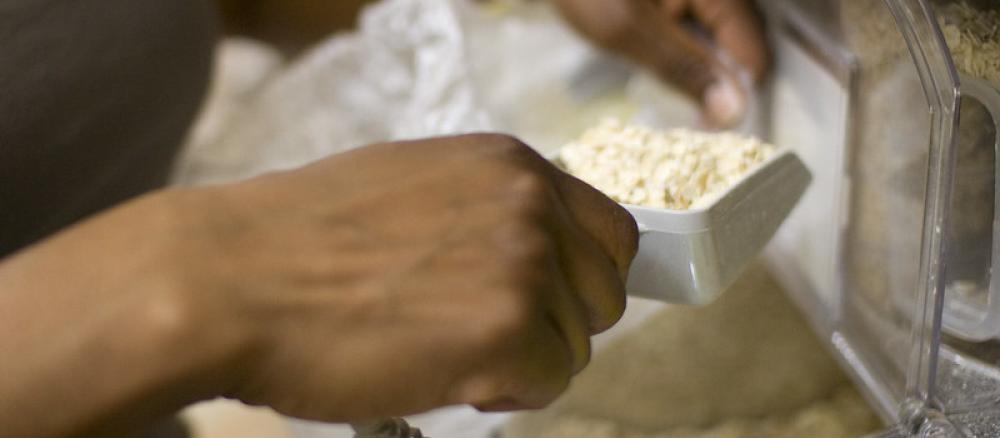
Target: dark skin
[[385, 281], [663, 36]]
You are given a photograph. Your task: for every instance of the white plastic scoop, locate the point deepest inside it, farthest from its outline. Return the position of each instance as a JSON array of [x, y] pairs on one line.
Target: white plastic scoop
[[692, 256]]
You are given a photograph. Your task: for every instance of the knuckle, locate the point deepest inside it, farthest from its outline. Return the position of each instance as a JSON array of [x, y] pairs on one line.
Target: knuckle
[[481, 389], [613, 28], [692, 69], [692, 73], [512, 151], [509, 314], [500, 143], [531, 188], [524, 244], [530, 199], [615, 35], [613, 312], [606, 307], [625, 226], [518, 169]]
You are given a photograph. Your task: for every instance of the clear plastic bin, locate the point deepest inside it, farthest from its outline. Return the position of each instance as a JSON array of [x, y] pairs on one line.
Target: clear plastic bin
[[893, 105]]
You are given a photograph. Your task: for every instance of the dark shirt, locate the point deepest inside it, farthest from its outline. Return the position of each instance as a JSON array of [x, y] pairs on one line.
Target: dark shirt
[[95, 97]]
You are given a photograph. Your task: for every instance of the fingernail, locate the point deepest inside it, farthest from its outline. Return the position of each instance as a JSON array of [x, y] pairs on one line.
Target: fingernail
[[725, 103]]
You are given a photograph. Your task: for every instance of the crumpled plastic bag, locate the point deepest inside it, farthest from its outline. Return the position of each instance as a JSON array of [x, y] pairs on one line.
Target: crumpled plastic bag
[[403, 75]]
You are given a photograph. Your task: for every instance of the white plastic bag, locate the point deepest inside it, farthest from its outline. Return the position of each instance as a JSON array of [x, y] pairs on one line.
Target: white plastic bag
[[403, 75]]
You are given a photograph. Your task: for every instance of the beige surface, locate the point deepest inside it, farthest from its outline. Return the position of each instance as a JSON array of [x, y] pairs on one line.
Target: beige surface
[[745, 366], [841, 416]]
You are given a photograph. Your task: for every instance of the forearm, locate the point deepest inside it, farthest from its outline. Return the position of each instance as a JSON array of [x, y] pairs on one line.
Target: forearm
[[75, 374], [94, 338]]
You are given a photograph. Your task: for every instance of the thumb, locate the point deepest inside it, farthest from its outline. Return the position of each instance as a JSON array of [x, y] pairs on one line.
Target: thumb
[[656, 38], [678, 55]]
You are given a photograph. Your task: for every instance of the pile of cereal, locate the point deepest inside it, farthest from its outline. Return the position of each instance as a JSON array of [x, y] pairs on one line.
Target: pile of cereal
[[678, 169], [973, 37]]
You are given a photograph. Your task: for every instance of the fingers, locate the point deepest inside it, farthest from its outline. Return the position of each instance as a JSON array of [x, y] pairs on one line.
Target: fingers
[[577, 285], [545, 371], [673, 51], [737, 29], [570, 248], [600, 218], [570, 315], [596, 237], [543, 337], [641, 31], [590, 270], [682, 57], [536, 369], [656, 35]]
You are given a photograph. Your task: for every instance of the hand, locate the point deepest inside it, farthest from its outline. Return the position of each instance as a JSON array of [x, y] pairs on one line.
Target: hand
[[663, 35], [389, 280], [402, 277]]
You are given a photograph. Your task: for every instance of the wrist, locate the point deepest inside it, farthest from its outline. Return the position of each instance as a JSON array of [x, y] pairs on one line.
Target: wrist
[[129, 333], [192, 321], [182, 331]]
